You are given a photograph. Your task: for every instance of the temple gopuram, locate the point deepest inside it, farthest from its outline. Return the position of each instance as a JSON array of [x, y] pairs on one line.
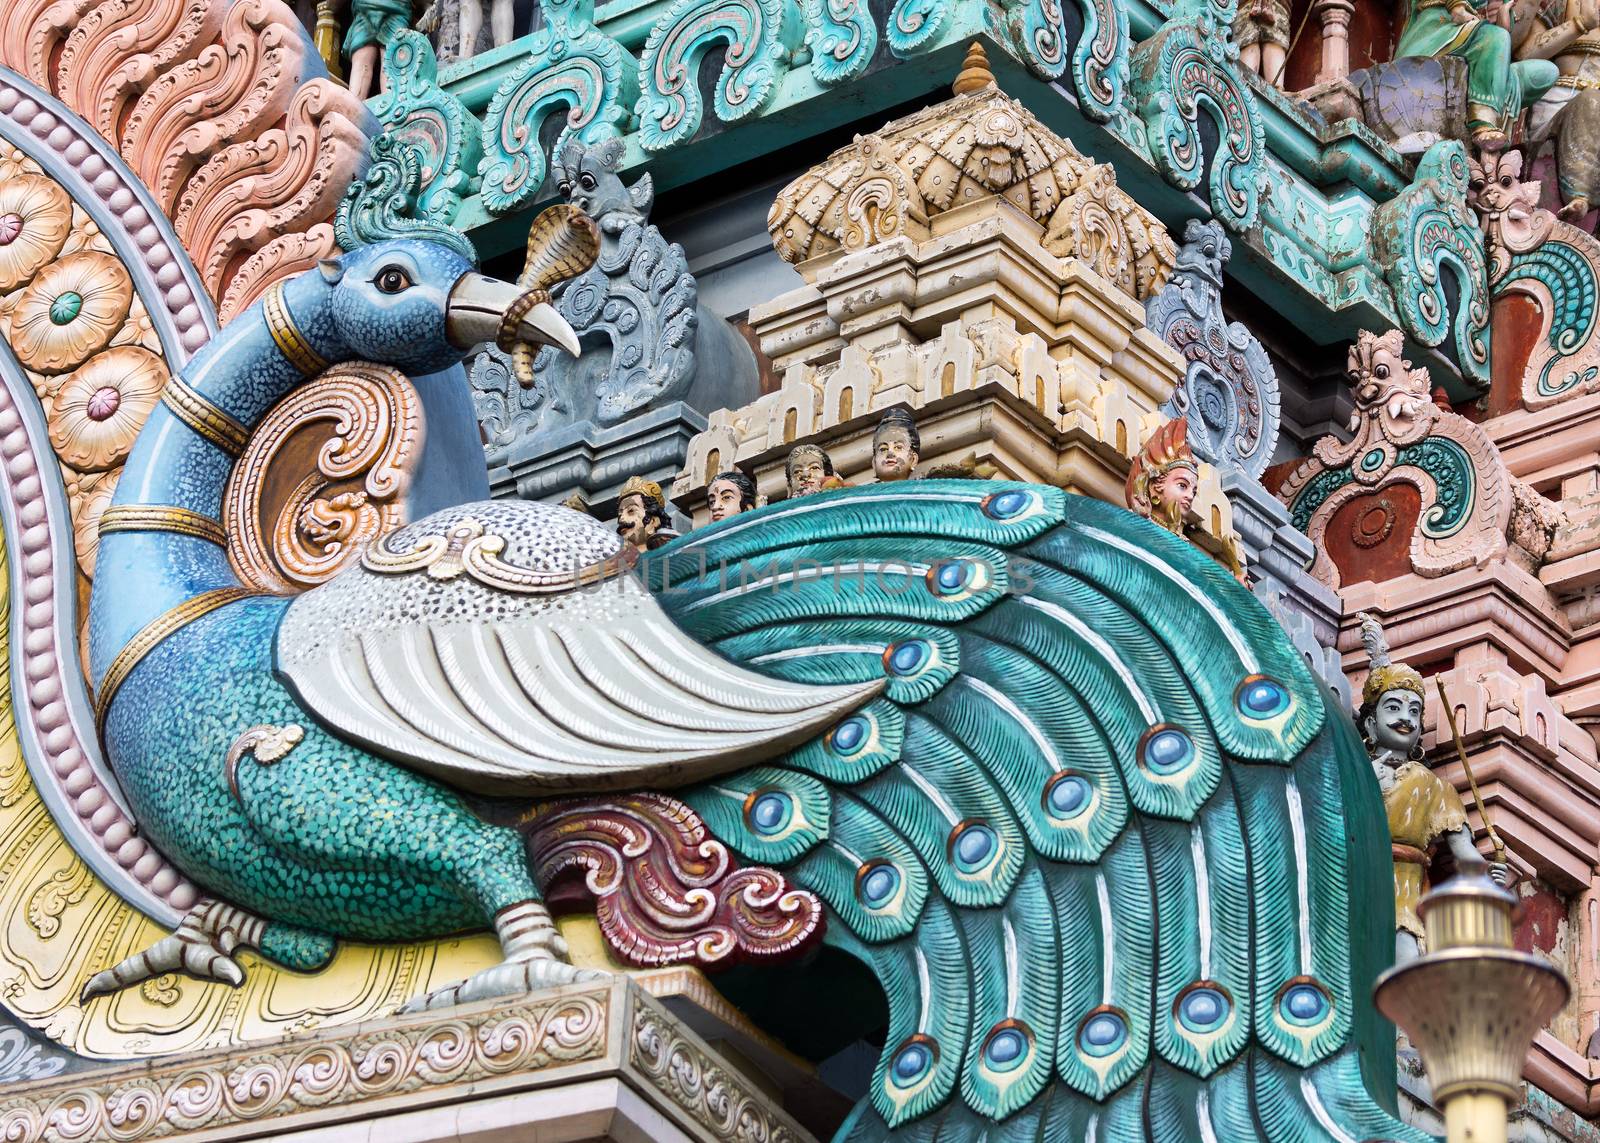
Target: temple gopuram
[[785, 571]]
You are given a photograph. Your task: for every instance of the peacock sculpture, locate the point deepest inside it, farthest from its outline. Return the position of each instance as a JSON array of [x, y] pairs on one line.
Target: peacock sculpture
[[1059, 782]]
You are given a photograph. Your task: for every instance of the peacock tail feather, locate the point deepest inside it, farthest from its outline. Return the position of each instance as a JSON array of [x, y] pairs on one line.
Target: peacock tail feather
[[1098, 840]]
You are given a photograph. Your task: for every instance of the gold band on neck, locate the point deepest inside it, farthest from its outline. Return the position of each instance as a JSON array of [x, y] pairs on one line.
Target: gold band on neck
[[162, 518], [290, 341], [150, 636], [204, 417]]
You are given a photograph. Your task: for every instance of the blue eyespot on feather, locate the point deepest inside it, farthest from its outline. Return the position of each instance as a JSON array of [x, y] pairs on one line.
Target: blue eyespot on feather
[[1203, 1007], [1103, 1033], [1067, 795], [912, 1061], [973, 847], [849, 736], [1008, 1046], [877, 882], [1165, 749], [907, 658], [1304, 1003], [769, 812], [1260, 698], [1006, 505]]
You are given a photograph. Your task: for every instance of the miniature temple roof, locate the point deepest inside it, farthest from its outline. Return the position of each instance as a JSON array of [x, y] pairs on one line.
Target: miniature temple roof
[[980, 142]]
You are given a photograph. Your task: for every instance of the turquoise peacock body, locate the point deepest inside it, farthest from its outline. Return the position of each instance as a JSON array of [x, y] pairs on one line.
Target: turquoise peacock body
[[1062, 785]]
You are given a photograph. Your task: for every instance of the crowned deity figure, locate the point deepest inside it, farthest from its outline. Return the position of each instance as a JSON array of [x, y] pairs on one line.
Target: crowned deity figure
[[1423, 809], [1479, 32], [1163, 480], [1567, 33], [642, 519]]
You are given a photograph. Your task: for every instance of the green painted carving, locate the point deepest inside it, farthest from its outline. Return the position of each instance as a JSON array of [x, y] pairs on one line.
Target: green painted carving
[[386, 201], [1097, 58], [572, 70], [1187, 67], [417, 111], [760, 37], [1451, 469], [915, 25], [1312, 496], [1445, 462], [1419, 235], [842, 36], [1568, 278]]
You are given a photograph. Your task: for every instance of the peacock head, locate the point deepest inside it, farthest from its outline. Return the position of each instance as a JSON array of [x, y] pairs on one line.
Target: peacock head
[[420, 306]]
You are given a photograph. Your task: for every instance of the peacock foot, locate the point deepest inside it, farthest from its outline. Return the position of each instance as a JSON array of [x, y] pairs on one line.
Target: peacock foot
[[512, 978], [203, 947], [535, 958]]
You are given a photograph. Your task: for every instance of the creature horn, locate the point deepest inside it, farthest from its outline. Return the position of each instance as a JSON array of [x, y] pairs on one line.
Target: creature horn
[[1373, 639]]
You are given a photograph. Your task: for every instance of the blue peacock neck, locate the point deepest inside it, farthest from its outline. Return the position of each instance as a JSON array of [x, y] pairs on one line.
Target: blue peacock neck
[[157, 549]]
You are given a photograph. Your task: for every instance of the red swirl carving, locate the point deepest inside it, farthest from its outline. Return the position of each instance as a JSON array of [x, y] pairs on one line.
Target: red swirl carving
[[664, 890], [288, 179]]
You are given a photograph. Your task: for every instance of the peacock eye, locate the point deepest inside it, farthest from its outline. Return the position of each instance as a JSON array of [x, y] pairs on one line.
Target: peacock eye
[[392, 279]]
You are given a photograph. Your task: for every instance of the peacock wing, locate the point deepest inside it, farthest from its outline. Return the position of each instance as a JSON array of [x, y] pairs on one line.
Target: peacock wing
[[1093, 836], [505, 649]]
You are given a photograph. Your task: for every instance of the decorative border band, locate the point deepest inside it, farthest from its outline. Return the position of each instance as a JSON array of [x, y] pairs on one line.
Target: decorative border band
[[205, 418], [291, 342], [162, 518], [150, 636]]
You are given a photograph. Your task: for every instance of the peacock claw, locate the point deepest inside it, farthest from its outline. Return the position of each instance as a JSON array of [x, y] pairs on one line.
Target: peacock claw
[[510, 978], [202, 947]]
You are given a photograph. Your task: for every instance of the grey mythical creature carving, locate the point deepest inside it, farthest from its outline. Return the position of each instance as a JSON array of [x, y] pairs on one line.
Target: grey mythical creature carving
[[1229, 394], [647, 340]]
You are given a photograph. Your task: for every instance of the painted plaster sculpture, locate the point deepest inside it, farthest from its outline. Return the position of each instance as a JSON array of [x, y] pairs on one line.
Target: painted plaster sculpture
[[943, 746], [1534, 253], [895, 446], [373, 25], [1162, 482], [729, 494], [1401, 441], [648, 342], [809, 469], [1423, 809], [1569, 113], [1261, 29], [1497, 88], [642, 514], [1230, 393]]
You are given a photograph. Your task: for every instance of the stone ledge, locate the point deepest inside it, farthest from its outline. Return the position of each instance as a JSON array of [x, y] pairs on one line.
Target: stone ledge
[[625, 1061]]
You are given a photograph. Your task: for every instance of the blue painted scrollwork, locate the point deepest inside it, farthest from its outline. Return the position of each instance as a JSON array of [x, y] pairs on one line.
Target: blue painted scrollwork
[[1569, 279], [1418, 235], [1093, 47], [760, 35], [571, 68], [1189, 66]]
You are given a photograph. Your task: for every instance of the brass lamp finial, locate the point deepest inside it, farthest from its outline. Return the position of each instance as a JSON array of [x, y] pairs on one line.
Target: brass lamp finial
[[1472, 1005], [975, 74]]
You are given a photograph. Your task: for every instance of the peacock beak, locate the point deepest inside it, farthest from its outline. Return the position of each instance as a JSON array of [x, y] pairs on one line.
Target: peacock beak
[[479, 304]]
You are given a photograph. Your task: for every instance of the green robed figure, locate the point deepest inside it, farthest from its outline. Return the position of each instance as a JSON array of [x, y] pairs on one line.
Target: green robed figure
[[1497, 88]]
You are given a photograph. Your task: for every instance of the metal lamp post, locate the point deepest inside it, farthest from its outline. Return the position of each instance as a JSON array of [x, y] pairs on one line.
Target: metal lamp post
[[1472, 1005]]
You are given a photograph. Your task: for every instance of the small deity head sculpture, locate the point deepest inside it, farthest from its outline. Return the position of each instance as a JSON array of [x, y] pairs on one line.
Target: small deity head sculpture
[[896, 446], [587, 178], [807, 470], [729, 494], [1382, 379], [1390, 716], [1164, 477], [641, 512]]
